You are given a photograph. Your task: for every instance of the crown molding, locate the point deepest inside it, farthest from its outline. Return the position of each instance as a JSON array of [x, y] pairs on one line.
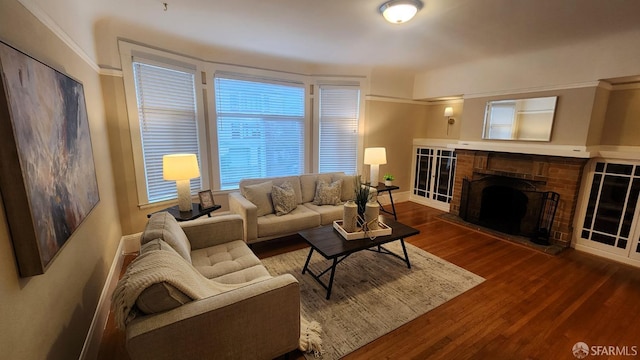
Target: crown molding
[[111, 72], [61, 34], [631, 86], [412, 101], [601, 84], [394, 100]]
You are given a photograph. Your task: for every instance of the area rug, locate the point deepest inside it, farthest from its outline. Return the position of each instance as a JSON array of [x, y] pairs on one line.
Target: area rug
[[372, 294]]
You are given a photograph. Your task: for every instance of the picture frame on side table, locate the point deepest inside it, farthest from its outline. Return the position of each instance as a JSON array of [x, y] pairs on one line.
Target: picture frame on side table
[[206, 199]]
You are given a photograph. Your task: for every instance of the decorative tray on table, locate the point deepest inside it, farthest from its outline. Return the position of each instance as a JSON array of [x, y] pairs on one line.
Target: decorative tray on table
[[383, 230]]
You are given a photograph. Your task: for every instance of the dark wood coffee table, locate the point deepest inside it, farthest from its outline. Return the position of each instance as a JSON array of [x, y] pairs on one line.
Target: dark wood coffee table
[[332, 246]]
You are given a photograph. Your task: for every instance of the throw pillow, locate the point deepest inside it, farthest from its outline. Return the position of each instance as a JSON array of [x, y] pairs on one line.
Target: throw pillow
[[348, 186], [260, 196], [160, 297], [284, 198], [328, 194]]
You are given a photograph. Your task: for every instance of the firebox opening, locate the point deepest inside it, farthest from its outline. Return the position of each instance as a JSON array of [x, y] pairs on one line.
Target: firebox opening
[[502, 208]]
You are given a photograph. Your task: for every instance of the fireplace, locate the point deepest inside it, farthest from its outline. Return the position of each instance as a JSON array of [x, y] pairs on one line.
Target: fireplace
[[529, 195], [509, 205]]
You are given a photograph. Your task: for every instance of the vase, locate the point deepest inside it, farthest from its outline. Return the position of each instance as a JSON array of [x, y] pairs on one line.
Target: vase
[[388, 182]]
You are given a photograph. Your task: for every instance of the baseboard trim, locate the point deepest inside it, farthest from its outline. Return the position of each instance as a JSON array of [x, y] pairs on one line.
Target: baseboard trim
[[606, 255], [397, 197], [91, 345]]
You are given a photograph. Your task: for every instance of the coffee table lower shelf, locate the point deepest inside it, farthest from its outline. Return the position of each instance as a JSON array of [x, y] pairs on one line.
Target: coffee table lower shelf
[[332, 246]]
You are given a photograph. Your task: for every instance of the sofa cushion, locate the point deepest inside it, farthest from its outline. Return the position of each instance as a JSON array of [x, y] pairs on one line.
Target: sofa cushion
[[299, 219], [223, 259], [251, 274], [348, 186], [328, 213], [284, 198], [260, 196], [308, 184], [328, 193], [164, 226], [156, 244], [293, 180]]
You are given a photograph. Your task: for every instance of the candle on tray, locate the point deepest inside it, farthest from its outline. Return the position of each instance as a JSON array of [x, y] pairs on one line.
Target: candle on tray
[[371, 213], [350, 216]]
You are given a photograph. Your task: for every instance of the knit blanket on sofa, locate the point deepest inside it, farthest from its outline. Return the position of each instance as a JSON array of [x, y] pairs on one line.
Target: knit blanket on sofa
[[164, 266]]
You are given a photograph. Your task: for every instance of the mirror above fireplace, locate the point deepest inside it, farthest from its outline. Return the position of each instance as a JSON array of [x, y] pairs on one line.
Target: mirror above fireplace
[[520, 119]]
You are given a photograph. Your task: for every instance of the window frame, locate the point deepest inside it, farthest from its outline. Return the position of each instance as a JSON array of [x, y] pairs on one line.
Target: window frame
[[130, 51], [204, 72], [361, 83], [256, 76]]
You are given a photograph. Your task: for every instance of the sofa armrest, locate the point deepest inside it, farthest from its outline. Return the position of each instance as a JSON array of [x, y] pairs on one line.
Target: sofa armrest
[[215, 230], [261, 320], [238, 204]]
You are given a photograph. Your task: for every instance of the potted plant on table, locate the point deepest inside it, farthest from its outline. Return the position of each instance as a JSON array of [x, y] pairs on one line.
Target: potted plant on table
[[388, 179]]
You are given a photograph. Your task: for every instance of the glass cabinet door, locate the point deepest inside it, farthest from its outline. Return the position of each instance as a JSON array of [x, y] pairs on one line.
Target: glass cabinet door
[[611, 210], [424, 165], [434, 176]]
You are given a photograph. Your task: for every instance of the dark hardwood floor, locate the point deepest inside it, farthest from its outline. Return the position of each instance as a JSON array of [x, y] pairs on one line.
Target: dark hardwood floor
[[531, 306]]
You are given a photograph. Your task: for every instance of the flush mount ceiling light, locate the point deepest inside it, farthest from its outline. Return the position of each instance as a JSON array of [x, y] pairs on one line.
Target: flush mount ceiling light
[[400, 11]]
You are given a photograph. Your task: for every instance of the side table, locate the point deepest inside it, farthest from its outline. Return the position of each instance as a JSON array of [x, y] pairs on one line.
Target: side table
[[384, 188], [194, 213]]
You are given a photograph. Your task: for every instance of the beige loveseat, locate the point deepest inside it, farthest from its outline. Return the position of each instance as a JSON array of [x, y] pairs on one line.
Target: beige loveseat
[[261, 222], [254, 316]]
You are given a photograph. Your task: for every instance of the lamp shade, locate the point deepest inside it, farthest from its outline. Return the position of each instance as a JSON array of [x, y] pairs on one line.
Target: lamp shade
[[180, 167], [375, 156], [400, 11], [448, 111]]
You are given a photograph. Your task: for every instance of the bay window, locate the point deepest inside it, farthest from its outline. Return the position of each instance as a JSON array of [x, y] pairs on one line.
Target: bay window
[[260, 128]]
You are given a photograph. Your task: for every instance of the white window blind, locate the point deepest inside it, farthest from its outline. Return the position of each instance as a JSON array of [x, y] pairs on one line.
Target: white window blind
[[168, 123], [260, 128], [339, 114]]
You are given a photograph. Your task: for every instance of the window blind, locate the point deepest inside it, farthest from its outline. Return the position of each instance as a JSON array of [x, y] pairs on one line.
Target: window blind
[[260, 127], [339, 114], [168, 123]]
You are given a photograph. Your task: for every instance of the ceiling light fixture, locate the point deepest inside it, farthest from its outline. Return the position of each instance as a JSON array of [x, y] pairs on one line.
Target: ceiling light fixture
[[400, 11]]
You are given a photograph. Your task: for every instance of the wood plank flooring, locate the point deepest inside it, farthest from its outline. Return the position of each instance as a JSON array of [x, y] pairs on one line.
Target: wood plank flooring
[[531, 306]]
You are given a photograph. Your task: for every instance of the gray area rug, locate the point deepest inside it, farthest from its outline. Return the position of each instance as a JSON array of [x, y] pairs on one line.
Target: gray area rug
[[372, 294]]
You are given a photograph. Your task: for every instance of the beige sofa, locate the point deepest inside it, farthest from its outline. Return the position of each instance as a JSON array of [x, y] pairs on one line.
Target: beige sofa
[[259, 318], [261, 222]]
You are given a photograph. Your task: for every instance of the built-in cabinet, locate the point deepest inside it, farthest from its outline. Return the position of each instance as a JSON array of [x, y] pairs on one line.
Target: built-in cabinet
[[433, 176], [609, 218]]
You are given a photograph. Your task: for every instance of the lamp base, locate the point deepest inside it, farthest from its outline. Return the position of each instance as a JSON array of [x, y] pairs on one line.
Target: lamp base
[[373, 176], [184, 195]]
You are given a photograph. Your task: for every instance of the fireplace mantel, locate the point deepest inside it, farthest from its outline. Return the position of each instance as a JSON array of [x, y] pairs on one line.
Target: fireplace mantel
[[573, 151]]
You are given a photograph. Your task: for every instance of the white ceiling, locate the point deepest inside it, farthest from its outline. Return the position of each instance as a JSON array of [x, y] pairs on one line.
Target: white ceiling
[[352, 32]]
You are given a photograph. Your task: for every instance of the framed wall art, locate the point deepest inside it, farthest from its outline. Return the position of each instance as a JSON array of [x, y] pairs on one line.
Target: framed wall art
[[47, 172]]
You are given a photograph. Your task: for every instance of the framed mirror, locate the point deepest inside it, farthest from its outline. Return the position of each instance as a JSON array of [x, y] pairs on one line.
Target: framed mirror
[[520, 119]]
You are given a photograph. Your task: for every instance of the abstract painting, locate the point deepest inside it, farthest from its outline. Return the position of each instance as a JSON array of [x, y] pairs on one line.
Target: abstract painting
[[47, 172]]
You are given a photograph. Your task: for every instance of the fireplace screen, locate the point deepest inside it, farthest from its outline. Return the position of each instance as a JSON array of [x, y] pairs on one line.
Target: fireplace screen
[[509, 205]]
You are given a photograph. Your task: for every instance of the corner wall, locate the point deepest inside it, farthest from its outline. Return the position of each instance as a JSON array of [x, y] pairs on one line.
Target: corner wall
[[48, 316]]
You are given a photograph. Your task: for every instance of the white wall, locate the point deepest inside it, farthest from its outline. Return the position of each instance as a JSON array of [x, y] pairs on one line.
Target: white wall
[[607, 57]]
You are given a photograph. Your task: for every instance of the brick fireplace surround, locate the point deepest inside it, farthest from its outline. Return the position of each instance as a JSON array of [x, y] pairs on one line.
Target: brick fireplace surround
[[550, 173]]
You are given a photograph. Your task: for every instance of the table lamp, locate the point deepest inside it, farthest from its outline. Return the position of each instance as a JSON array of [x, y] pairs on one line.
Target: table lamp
[[181, 168], [375, 156]]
